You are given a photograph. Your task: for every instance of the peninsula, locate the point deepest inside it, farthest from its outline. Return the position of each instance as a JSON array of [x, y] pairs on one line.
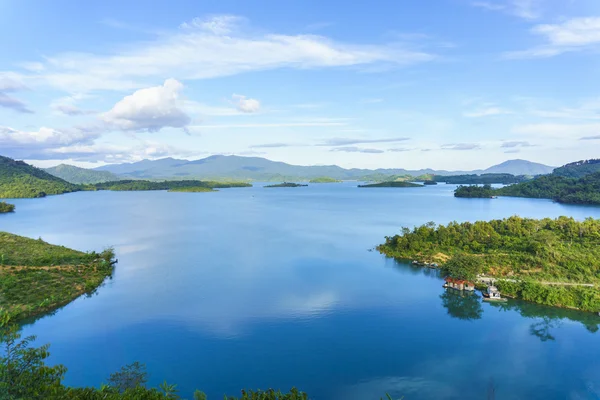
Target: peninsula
[[37, 277], [549, 261]]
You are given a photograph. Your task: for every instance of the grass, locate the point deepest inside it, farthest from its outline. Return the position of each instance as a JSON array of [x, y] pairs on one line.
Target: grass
[[37, 277]]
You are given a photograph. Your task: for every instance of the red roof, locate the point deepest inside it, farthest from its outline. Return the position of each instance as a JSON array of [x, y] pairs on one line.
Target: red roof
[[458, 281]]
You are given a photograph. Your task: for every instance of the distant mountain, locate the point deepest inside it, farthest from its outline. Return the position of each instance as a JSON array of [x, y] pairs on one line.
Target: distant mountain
[[520, 167], [21, 180], [77, 175], [256, 168], [578, 169]]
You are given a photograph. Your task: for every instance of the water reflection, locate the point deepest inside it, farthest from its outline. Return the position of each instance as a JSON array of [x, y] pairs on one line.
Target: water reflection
[[462, 305]]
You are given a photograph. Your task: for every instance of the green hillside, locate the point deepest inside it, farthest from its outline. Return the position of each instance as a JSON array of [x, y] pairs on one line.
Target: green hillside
[[21, 180], [77, 175], [578, 169]]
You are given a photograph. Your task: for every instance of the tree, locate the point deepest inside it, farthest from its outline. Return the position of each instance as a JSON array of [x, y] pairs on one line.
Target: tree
[[463, 266], [129, 377]]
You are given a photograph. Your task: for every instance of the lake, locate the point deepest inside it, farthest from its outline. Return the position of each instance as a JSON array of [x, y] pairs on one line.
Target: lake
[[259, 288]]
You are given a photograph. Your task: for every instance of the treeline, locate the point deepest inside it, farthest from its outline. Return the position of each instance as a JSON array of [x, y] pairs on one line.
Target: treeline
[[129, 185], [552, 250], [474, 191], [482, 179], [584, 190], [394, 184], [578, 169], [6, 207]]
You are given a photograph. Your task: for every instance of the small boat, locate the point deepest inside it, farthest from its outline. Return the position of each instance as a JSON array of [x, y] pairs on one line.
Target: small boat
[[493, 294]]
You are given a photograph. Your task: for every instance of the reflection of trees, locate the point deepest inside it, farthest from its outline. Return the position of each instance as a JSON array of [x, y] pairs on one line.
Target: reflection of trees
[[462, 305], [549, 317]]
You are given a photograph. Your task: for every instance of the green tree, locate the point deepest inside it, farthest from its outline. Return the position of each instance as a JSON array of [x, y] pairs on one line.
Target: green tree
[[129, 377], [463, 266]]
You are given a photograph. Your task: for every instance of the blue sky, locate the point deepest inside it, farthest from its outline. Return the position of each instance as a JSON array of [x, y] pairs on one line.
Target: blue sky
[[452, 84]]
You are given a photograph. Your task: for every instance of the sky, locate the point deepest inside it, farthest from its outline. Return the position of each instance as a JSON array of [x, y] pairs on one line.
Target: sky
[[445, 84]]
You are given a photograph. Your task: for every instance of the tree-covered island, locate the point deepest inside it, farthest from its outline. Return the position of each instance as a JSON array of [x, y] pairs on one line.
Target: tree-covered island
[[549, 261], [6, 207], [324, 179], [474, 191], [286, 185], [394, 184]]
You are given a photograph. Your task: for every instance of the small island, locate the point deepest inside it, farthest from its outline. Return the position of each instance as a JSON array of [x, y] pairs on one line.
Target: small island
[[192, 189], [549, 261], [394, 184], [324, 179], [429, 183], [475, 192], [37, 277], [6, 207], [285, 185]]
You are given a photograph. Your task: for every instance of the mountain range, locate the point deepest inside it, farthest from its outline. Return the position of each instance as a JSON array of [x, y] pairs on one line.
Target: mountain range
[[256, 168]]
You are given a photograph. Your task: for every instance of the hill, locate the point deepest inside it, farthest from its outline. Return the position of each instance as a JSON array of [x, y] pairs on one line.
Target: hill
[[578, 169], [76, 175], [257, 168], [520, 167], [21, 180]]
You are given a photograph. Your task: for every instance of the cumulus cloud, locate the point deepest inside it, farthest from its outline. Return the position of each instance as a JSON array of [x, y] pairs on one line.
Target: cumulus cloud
[[574, 34], [149, 109], [348, 141], [245, 104], [352, 149], [8, 85], [208, 48], [461, 146]]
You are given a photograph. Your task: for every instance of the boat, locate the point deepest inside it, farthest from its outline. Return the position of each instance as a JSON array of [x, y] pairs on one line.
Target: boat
[[493, 294]]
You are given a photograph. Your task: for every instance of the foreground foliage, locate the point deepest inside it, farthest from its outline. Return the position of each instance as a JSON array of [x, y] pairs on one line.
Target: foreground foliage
[[531, 252], [37, 277], [21, 180], [6, 207]]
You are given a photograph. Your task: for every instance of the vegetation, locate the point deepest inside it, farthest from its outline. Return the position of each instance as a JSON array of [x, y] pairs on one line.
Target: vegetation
[[285, 184], [578, 169], [37, 277], [6, 207], [192, 189], [525, 255], [395, 184], [324, 179], [585, 190], [131, 185], [474, 191], [482, 179], [78, 175], [21, 180], [429, 183]]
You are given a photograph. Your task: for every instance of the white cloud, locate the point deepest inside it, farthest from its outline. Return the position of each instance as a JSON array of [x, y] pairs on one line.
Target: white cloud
[[245, 104], [461, 146], [208, 48], [558, 131], [69, 109], [150, 109], [526, 9], [575, 34], [486, 112], [8, 85], [353, 149], [269, 125]]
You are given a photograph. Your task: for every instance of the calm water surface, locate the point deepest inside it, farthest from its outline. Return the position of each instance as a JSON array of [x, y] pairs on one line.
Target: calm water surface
[[263, 288]]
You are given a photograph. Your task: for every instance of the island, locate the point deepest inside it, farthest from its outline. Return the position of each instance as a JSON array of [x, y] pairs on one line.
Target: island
[[37, 277], [474, 191], [6, 207], [285, 185], [394, 184], [548, 261], [188, 185], [474, 179], [429, 183], [192, 189], [324, 179]]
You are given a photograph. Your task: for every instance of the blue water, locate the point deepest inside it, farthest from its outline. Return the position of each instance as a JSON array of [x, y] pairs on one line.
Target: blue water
[[258, 288]]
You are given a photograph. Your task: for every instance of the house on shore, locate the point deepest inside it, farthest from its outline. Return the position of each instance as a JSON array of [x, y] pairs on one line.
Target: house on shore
[[459, 284]]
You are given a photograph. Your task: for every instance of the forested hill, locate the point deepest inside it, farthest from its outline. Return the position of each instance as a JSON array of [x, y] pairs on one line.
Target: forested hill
[[578, 169], [76, 175], [585, 190], [21, 180]]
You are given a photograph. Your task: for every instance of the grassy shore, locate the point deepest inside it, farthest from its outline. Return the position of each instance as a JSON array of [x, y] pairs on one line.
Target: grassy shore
[[37, 277]]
